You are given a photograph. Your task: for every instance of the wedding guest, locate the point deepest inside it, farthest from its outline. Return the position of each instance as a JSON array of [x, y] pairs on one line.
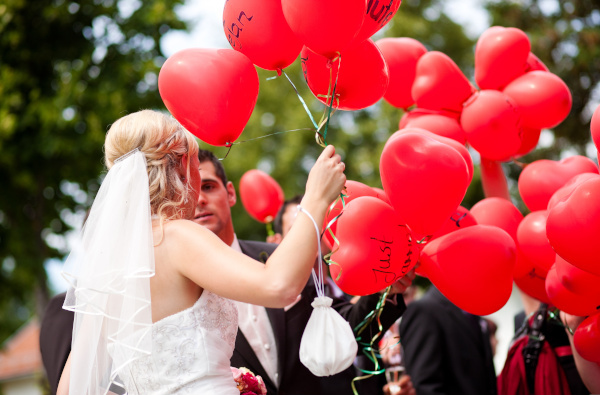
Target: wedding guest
[[589, 371], [284, 219], [151, 290], [55, 339], [446, 350], [268, 340]]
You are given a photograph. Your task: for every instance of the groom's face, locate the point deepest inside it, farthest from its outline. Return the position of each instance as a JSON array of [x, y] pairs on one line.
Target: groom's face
[[214, 203]]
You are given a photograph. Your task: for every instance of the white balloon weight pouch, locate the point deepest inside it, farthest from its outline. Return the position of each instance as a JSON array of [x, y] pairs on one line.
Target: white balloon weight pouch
[[328, 345]]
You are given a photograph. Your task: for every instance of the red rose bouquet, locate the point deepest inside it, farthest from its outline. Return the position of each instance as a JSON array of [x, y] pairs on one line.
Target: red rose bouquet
[[247, 383]]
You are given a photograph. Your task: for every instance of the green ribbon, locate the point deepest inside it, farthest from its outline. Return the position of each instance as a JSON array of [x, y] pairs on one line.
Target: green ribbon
[[368, 349], [331, 96], [336, 242]]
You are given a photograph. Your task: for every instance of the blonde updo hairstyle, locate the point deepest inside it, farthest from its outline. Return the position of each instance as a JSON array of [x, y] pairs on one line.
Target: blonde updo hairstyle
[[164, 142]]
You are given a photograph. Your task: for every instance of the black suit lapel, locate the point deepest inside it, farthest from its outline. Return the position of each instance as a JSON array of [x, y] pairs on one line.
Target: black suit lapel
[[277, 318], [244, 352]]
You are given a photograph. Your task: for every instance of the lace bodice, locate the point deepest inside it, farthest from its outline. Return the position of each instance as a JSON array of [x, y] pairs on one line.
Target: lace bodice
[[190, 352]]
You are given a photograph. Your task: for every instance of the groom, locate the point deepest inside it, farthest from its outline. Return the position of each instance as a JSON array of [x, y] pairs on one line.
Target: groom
[[268, 340]]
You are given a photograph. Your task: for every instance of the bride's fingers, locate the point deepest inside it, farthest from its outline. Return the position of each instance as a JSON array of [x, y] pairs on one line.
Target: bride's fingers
[[328, 152]]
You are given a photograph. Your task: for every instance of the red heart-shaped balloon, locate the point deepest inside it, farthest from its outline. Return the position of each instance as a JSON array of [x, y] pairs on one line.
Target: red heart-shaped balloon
[[401, 55], [529, 279], [566, 190], [451, 142], [495, 211], [415, 113], [533, 243], [492, 125], [354, 189], [439, 124], [529, 139], [460, 219], [493, 179], [587, 338], [261, 195], [362, 80], [573, 227], [542, 178], [211, 92], [326, 27], [258, 29], [381, 195], [472, 267], [595, 127], [501, 56], [544, 100], [378, 14], [567, 301], [376, 248], [578, 281], [439, 83], [424, 179], [534, 63]]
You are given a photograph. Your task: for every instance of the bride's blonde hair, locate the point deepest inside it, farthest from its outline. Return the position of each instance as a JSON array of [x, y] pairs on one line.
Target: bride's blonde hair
[[164, 142]]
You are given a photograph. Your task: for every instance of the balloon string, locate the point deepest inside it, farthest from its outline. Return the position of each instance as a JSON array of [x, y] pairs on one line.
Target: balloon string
[[336, 242], [368, 348], [261, 137], [301, 100], [331, 95], [554, 317], [425, 239], [522, 165], [270, 231]]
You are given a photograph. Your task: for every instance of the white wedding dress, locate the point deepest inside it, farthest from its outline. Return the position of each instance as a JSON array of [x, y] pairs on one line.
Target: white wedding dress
[[191, 350]]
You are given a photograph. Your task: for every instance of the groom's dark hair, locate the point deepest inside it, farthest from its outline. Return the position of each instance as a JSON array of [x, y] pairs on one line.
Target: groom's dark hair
[[207, 156]]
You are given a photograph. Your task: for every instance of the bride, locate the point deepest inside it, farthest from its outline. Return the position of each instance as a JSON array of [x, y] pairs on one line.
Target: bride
[[151, 289]]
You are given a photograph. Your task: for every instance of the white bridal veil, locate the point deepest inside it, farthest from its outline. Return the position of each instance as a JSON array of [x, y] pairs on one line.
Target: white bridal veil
[[109, 272]]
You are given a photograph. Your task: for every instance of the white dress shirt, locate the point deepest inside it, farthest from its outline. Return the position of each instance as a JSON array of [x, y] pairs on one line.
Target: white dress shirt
[[254, 323]]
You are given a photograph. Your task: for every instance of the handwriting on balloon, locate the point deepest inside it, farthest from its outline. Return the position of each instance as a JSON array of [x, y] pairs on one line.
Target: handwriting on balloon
[[236, 28], [381, 15], [384, 268]]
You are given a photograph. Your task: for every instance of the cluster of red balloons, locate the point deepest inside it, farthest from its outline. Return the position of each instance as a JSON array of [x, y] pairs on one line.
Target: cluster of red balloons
[[517, 95], [572, 230], [272, 33], [472, 257], [212, 92], [417, 217]]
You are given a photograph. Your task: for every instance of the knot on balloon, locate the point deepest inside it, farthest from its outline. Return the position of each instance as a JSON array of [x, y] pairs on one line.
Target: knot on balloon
[[279, 71], [328, 97], [425, 240]]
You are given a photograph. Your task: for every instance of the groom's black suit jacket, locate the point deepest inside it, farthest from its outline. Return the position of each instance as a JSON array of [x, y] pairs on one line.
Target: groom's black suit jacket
[[57, 326], [288, 327]]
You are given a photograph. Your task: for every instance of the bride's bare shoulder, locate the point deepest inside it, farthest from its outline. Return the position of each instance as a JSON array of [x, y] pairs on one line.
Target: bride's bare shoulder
[[181, 229]]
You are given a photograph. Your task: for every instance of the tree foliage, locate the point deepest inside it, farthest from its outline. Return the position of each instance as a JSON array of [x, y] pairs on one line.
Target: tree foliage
[[67, 70]]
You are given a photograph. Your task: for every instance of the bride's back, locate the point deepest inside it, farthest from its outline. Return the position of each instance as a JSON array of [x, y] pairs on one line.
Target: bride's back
[[172, 164]]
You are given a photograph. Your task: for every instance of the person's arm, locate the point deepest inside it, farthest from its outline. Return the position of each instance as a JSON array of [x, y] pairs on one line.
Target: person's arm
[[203, 258], [588, 371]]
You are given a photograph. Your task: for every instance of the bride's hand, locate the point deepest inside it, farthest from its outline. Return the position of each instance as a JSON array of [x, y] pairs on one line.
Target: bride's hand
[[326, 178]]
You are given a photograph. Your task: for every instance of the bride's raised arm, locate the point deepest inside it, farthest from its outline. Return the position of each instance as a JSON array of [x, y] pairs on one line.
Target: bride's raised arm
[[206, 260]]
